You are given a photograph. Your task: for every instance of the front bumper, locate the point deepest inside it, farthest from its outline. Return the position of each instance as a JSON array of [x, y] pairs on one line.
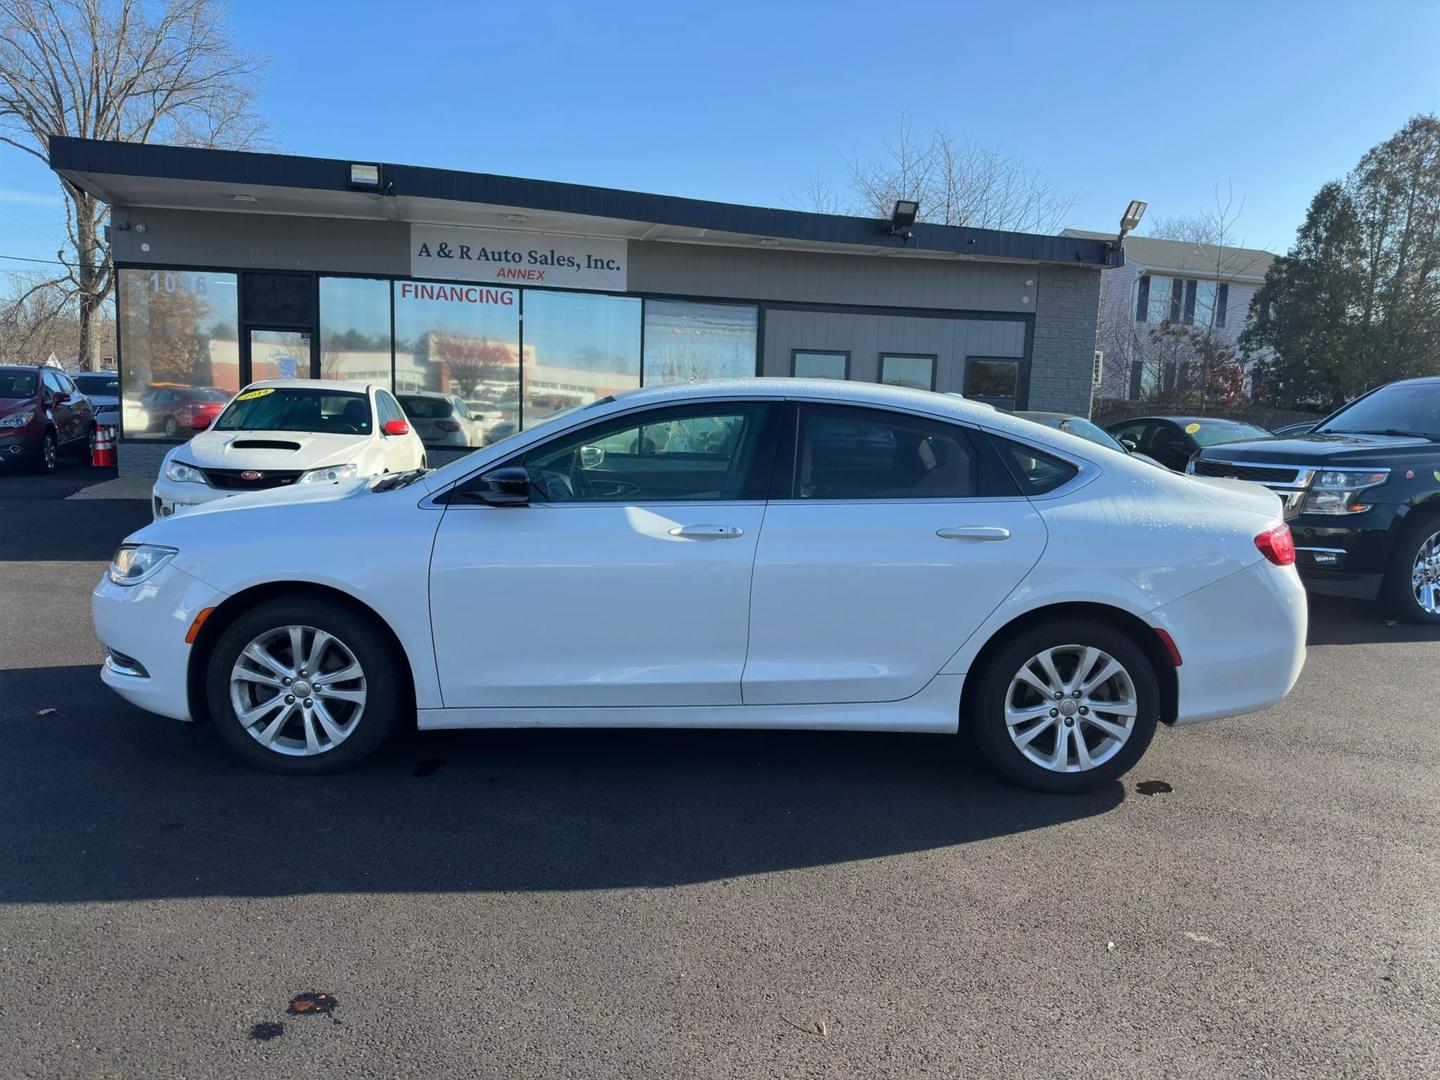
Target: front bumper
[[1241, 641], [18, 444], [143, 628], [168, 497], [1346, 555]]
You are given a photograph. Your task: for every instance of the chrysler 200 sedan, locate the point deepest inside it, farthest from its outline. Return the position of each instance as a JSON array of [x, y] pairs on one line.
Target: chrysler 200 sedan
[[767, 553]]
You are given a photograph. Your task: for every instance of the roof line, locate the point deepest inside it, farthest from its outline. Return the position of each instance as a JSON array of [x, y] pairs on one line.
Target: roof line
[[82, 159]]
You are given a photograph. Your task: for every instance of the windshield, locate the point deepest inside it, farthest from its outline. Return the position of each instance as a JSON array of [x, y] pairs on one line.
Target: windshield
[[1214, 432], [17, 384], [1400, 408], [98, 384], [285, 409], [1086, 430]]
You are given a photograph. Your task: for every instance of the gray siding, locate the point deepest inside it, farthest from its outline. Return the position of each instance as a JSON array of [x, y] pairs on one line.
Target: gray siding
[[1062, 362], [865, 337], [878, 281]]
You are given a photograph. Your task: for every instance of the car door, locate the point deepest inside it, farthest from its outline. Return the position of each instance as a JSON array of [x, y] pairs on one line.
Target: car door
[[896, 537], [62, 407], [625, 581]]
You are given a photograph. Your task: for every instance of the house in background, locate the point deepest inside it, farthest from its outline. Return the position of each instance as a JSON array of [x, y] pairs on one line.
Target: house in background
[[1175, 283]]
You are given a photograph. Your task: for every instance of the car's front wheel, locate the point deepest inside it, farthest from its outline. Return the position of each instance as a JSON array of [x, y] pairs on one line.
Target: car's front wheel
[[1066, 706], [49, 457], [302, 687], [1412, 583]]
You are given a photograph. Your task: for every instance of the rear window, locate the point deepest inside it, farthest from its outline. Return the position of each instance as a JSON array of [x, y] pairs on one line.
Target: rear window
[[17, 384], [104, 385], [298, 409], [425, 408], [1034, 471]]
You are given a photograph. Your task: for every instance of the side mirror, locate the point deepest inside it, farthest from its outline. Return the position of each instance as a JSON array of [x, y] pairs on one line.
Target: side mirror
[[1130, 445], [591, 457], [509, 486], [60, 398], [396, 427]]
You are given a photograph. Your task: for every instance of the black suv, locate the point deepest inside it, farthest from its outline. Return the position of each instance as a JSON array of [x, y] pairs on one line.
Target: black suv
[[1361, 493]]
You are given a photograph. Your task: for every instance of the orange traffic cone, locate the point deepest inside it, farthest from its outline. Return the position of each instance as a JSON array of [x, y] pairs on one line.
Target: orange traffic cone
[[102, 454]]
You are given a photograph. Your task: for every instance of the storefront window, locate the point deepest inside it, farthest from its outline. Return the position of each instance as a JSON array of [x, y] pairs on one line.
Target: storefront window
[[821, 365], [355, 329], [460, 342], [579, 347], [916, 372], [180, 358], [688, 341]]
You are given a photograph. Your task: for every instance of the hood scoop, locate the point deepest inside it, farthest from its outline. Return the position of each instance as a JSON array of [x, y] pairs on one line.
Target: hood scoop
[[263, 444]]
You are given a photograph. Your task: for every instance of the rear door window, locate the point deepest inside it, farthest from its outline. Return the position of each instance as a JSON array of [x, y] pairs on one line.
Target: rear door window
[[850, 453]]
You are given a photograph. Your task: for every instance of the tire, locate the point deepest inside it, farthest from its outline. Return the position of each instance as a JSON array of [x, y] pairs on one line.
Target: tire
[[84, 448], [172, 428], [1419, 537], [302, 743], [1002, 686], [48, 459]]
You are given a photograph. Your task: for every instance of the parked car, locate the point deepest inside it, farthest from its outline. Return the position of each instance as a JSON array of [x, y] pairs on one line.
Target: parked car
[[176, 411], [967, 572], [102, 390], [1171, 440], [1362, 494], [293, 431], [43, 414], [1303, 428], [1085, 429], [440, 419]]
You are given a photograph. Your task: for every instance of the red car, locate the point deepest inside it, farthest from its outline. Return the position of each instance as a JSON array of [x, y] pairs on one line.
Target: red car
[[42, 413], [180, 411]]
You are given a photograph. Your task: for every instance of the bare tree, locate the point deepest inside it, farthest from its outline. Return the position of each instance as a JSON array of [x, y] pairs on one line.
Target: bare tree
[[959, 182], [129, 70], [38, 318]]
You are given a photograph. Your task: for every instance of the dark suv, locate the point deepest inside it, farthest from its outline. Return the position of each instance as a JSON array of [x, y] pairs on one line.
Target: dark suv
[[1361, 493], [42, 414]]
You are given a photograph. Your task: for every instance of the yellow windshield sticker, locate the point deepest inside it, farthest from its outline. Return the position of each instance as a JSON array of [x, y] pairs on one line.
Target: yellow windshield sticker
[[1190, 429], [256, 393]]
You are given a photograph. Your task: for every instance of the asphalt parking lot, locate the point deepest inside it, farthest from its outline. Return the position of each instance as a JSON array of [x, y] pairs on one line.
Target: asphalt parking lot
[[607, 904]]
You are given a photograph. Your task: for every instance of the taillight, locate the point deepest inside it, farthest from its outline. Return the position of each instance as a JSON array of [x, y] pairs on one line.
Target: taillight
[[1277, 545], [447, 425]]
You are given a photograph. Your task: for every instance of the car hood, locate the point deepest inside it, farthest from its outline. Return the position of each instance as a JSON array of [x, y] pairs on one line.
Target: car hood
[[12, 405], [1313, 449], [265, 450], [296, 494]]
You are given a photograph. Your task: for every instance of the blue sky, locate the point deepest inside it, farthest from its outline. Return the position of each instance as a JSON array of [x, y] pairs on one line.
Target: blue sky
[[744, 101]]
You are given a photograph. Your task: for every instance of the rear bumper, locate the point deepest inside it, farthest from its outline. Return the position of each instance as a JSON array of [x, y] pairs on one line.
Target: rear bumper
[[1241, 642]]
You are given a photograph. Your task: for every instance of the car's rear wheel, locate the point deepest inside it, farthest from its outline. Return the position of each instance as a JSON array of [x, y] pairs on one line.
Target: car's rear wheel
[[302, 687], [172, 428], [1412, 583], [1066, 706]]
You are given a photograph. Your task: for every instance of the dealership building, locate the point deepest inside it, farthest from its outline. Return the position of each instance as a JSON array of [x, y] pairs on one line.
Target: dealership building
[[490, 302]]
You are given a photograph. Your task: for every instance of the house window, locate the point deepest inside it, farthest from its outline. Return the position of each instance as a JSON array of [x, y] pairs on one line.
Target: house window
[[1163, 303], [1205, 303], [820, 365], [1181, 300], [904, 369]]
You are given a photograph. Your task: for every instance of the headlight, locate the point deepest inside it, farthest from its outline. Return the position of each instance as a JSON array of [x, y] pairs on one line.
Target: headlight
[[133, 563], [1337, 492], [329, 474], [18, 419], [181, 473]]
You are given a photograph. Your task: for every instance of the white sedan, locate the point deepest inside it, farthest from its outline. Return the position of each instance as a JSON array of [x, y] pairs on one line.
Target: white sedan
[[277, 434], [761, 553]]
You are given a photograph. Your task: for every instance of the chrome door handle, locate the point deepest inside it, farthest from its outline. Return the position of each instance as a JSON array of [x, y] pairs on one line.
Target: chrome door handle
[[707, 532], [974, 532]]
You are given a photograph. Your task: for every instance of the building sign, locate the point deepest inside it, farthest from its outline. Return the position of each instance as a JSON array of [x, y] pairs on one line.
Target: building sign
[[565, 262]]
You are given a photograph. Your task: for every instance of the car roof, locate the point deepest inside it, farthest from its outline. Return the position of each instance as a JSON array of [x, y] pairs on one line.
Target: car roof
[[1040, 414], [353, 386], [25, 367]]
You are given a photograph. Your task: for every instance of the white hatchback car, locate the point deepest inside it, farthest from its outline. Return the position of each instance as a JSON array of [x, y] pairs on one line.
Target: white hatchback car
[[282, 433], [765, 553]]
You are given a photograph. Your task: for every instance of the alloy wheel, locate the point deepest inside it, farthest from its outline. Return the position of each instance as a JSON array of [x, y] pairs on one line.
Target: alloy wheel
[[51, 452], [1425, 575], [1070, 708], [298, 690]]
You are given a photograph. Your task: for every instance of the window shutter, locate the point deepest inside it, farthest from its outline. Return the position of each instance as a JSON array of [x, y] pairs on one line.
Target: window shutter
[[1177, 292], [1190, 287], [1222, 298], [1142, 302]]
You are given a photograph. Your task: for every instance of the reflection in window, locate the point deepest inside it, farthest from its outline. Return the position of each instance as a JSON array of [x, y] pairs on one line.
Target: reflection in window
[[182, 354], [916, 372], [461, 340], [866, 454], [684, 452], [820, 365], [993, 381], [1205, 303], [1162, 294], [355, 329], [688, 341], [579, 347]]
